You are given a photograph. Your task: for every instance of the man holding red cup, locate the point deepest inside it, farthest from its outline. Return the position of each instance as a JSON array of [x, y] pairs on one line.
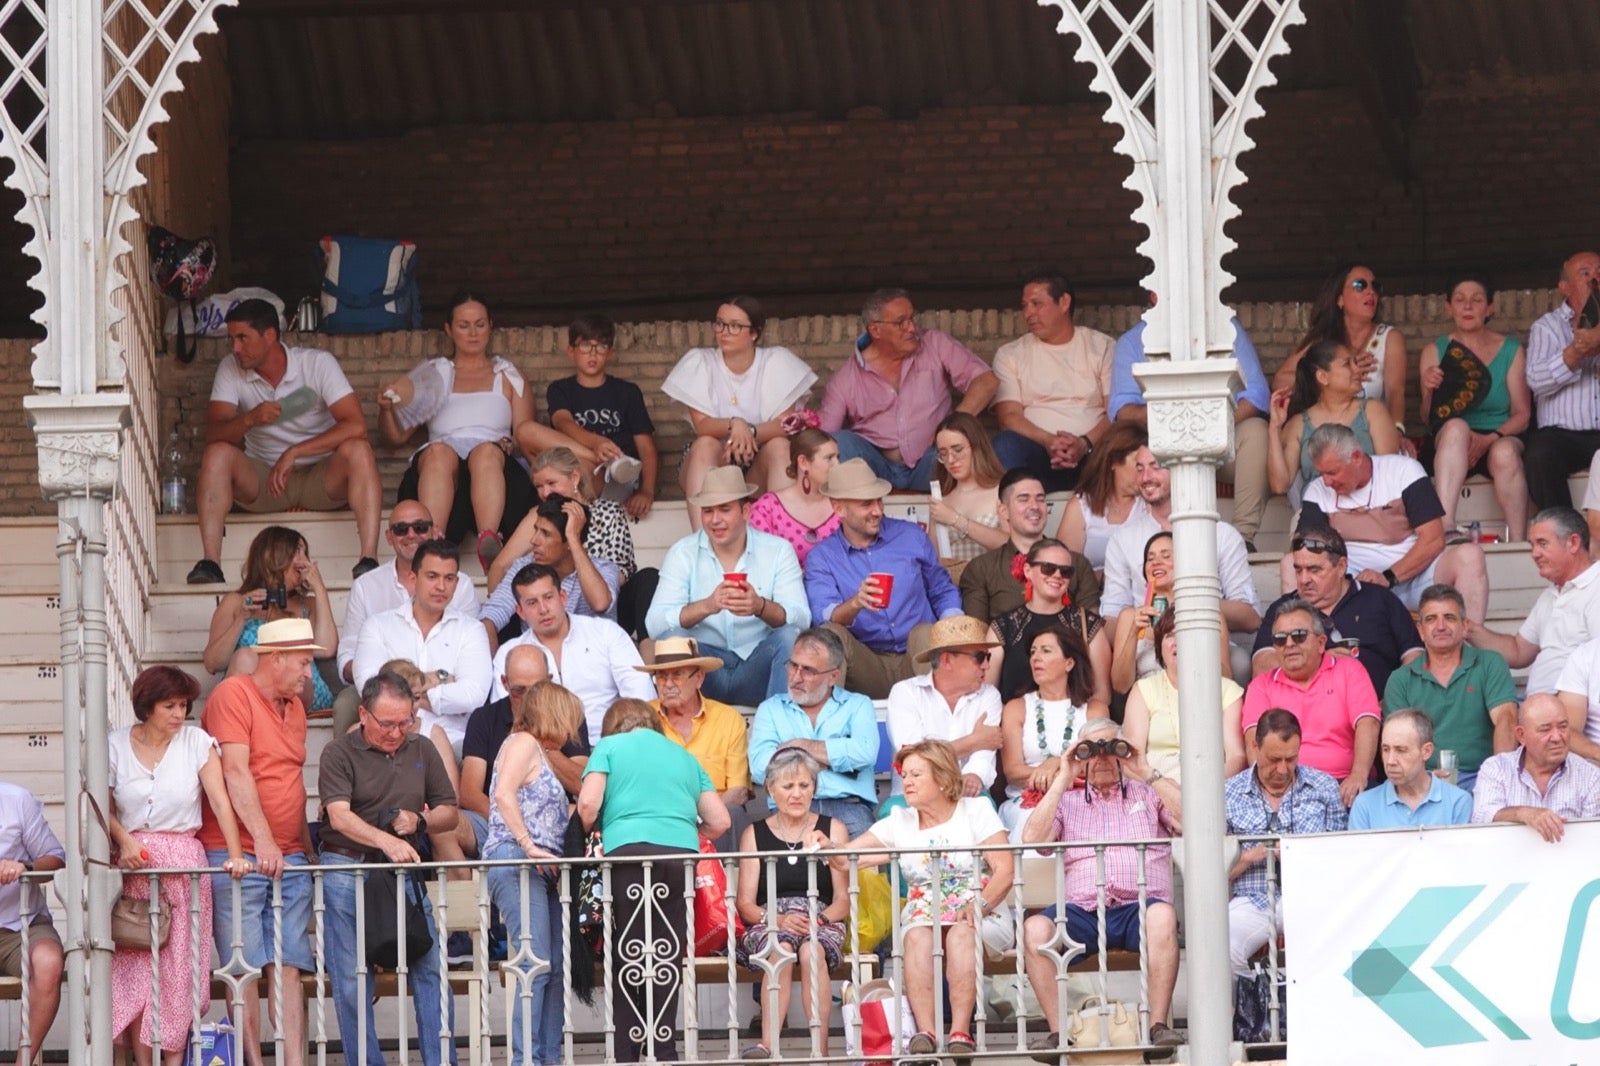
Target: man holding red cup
[[876, 582]]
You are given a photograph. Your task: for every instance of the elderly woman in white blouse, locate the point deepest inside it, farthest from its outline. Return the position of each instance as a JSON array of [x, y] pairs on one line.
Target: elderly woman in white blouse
[[159, 768], [737, 394]]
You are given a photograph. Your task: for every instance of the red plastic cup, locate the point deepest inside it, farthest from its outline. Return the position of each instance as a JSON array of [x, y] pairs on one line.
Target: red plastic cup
[[736, 578], [885, 584]]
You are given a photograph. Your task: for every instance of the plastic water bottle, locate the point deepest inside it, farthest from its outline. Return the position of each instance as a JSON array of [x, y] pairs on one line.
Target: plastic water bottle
[[1475, 531], [174, 488]]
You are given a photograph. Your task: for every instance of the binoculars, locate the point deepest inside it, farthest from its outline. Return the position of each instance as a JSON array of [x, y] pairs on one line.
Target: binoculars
[[278, 597], [1088, 749]]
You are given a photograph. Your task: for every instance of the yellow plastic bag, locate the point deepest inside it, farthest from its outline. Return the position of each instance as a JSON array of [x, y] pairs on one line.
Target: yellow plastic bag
[[875, 912]]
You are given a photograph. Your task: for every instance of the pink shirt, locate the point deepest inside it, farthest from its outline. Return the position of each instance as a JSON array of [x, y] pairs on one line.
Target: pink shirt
[[1134, 812], [1338, 695], [769, 515], [860, 400]]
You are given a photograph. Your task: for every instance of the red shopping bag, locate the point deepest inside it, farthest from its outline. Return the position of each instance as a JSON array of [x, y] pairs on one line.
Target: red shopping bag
[[711, 905], [870, 1011]]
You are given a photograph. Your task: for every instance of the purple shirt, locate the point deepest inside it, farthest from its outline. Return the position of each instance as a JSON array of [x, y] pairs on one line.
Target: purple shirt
[[859, 399], [1134, 812], [923, 591]]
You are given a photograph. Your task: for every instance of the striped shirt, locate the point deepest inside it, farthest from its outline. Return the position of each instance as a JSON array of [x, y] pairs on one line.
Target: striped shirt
[[1563, 396], [1312, 805], [1133, 812], [1573, 791]]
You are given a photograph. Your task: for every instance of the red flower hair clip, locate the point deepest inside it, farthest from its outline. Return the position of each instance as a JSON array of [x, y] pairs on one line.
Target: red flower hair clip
[[798, 419]]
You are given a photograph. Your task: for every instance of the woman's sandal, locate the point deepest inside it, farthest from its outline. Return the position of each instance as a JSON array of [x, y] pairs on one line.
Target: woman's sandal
[[756, 1051], [960, 1043], [488, 552], [922, 1043]]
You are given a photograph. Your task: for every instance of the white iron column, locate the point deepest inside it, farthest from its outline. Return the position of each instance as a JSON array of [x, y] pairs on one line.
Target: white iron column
[[1191, 429]]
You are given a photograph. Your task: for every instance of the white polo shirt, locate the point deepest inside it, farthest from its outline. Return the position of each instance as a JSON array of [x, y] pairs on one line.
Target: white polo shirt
[[1560, 621], [306, 367]]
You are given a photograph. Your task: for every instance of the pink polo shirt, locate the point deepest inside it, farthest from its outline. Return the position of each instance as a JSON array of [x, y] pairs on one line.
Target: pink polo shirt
[[858, 399], [1338, 695]]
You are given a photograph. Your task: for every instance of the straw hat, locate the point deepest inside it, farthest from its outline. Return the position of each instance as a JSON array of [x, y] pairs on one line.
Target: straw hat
[[674, 653], [287, 634], [853, 479], [724, 484], [959, 632]]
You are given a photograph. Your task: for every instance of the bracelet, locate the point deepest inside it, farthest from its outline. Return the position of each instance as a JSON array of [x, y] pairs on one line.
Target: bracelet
[[1388, 575], [763, 608], [966, 527], [1088, 445]]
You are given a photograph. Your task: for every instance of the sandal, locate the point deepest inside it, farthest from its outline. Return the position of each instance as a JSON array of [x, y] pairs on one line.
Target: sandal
[[489, 544], [756, 1051], [922, 1043], [960, 1043]]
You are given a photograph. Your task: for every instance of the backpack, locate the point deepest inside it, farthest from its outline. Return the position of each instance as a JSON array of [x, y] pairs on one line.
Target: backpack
[[369, 285], [181, 269]]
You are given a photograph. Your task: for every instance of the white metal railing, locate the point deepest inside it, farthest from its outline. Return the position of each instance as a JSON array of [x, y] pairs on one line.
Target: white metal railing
[[656, 982]]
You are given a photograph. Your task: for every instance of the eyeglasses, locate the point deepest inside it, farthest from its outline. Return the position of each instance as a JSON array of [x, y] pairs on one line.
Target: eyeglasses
[[1297, 635], [806, 673], [391, 727], [952, 452], [1362, 285], [516, 692], [419, 527], [1052, 569], [591, 347], [1315, 544], [898, 323], [734, 328]]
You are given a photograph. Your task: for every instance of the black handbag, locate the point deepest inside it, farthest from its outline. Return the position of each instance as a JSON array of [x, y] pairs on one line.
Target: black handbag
[[1252, 1007], [381, 891]]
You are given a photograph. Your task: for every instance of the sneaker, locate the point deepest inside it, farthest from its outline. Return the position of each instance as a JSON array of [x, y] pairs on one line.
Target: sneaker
[[206, 572], [365, 565], [458, 949], [623, 470], [1164, 1035], [489, 544]]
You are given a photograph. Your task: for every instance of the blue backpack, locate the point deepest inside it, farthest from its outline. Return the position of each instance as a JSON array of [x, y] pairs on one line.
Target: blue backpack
[[369, 285]]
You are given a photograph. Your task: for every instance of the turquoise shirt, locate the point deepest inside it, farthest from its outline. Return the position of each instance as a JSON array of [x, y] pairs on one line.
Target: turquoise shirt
[[1382, 807], [653, 791]]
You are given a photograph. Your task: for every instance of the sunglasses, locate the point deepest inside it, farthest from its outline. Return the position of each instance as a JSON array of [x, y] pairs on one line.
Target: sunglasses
[[1297, 635], [419, 527], [1052, 569], [1362, 285], [1315, 544], [1088, 749]]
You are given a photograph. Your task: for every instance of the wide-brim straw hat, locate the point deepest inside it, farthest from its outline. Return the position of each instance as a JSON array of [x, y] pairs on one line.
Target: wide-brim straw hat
[[958, 633], [287, 634], [724, 484], [674, 653], [853, 479]]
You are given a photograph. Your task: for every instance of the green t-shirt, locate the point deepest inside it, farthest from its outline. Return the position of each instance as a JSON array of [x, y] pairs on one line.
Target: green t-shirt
[[653, 791], [1460, 713]]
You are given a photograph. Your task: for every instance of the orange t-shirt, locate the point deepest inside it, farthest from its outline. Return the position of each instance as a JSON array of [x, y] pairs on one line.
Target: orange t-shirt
[[237, 713]]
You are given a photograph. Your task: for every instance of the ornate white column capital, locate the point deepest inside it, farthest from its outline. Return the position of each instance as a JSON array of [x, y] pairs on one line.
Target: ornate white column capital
[[1191, 408], [80, 442]]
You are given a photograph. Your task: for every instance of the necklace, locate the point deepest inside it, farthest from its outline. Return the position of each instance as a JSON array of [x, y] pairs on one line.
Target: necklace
[[1038, 722], [793, 846]]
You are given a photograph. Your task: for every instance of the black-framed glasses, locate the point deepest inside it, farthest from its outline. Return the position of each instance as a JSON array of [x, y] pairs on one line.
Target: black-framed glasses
[[1362, 285], [806, 673], [734, 328], [1297, 635], [1316, 544], [1052, 569], [982, 657], [419, 527], [591, 347]]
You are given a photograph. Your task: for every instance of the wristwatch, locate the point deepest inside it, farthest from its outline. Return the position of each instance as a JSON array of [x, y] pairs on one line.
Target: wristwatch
[[1388, 575], [1155, 775]]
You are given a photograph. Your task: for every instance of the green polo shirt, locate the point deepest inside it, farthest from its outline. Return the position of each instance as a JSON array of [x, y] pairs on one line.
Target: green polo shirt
[[653, 791], [1460, 710]]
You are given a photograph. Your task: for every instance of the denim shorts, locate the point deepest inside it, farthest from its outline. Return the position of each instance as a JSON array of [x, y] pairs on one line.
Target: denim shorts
[[257, 929]]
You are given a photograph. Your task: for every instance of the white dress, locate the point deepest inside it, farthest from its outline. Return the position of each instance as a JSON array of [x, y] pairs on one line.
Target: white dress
[[775, 382], [1062, 720]]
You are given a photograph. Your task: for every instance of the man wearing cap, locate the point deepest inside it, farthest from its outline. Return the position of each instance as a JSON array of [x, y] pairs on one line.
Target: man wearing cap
[[260, 724], [450, 648], [382, 787], [736, 590], [952, 702], [593, 658], [712, 732], [882, 628]]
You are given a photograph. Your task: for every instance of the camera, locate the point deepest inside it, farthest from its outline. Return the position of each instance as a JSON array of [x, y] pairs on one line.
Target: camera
[[1088, 749], [278, 597]]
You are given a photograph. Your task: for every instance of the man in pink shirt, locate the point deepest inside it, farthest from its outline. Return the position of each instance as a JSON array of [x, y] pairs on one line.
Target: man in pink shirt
[[887, 399], [1331, 695]]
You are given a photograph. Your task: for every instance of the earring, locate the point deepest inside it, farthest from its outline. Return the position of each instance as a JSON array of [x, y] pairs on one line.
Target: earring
[[805, 482]]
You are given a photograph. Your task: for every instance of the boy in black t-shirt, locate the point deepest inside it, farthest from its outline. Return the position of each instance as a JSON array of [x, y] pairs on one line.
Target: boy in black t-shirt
[[605, 413]]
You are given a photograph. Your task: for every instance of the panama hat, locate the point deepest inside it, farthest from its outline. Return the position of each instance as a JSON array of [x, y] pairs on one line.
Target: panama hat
[[287, 634], [853, 479], [674, 653], [959, 632], [724, 484]]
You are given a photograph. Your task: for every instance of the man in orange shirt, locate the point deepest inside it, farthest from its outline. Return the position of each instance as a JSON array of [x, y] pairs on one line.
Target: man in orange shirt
[[260, 723]]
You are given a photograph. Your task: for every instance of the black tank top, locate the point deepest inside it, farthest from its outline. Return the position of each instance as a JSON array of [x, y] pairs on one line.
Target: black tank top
[[791, 871]]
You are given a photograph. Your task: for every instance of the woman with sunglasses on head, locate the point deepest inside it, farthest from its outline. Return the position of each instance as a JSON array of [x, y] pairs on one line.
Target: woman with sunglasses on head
[[1346, 311], [799, 512], [1487, 437], [737, 394], [1036, 728], [1150, 721], [1327, 388], [1046, 572], [968, 474]]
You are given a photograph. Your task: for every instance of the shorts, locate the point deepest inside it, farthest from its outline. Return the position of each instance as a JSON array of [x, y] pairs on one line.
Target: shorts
[[1410, 592], [480, 827], [11, 943], [257, 927], [1122, 926], [307, 490]]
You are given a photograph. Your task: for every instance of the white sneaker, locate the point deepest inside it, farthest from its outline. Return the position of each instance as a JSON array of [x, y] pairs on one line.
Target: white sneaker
[[623, 470]]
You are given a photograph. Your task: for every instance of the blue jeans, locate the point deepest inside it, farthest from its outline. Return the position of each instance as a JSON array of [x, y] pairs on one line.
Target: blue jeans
[[350, 995], [1014, 450], [901, 476], [544, 940], [746, 682], [856, 815], [257, 918]]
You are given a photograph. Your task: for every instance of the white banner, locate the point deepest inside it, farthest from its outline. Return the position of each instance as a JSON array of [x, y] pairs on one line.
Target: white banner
[[1455, 946]]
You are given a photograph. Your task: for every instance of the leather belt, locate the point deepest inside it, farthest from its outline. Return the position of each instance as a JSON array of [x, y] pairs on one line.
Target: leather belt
[[358, 854]]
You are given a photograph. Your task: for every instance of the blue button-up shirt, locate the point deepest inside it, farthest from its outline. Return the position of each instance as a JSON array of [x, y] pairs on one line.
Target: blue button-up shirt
[[1312, 805], [1382, 807], [848, 727], [1130, 351], [923, 591], [692, 570]]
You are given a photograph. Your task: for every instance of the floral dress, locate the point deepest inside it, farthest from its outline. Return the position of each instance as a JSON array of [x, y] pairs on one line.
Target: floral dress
[[959, 875]]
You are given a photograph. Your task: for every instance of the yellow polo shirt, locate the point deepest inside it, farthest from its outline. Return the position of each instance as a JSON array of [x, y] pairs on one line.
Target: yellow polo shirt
[[718, 739]]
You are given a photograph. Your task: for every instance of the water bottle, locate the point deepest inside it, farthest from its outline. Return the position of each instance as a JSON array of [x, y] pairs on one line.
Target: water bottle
[[1475, 531], [174, 489]]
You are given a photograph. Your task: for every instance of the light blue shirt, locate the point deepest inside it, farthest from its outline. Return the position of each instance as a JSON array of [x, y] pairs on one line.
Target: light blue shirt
[[692, 570], [848, 727], [1382, 807], [1130, 351]]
